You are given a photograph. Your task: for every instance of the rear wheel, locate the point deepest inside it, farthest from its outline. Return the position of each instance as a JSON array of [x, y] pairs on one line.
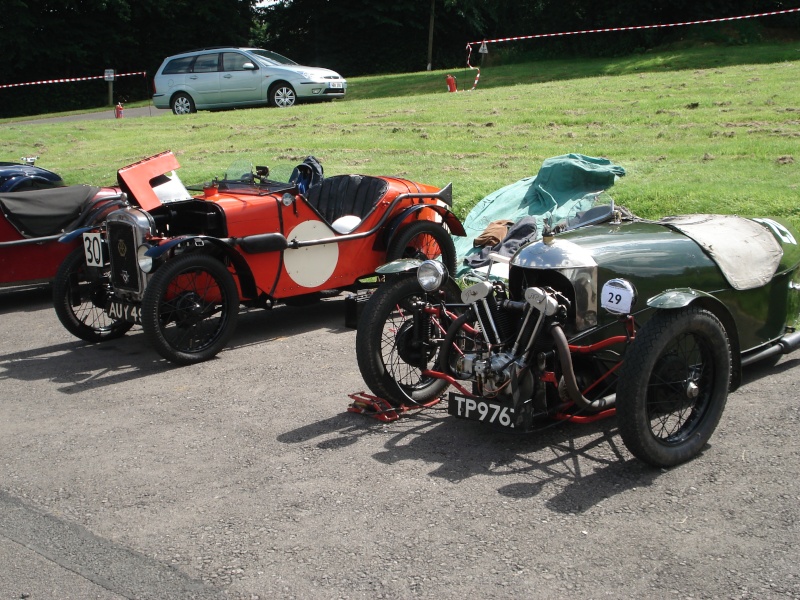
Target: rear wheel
[[396, 342], [190, 308], [282, 95], [182, 104], [673, 386], [79, 299], [424, 240]]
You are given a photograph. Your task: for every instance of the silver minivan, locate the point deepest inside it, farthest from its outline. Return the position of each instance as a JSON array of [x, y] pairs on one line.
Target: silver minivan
[[228, 77]]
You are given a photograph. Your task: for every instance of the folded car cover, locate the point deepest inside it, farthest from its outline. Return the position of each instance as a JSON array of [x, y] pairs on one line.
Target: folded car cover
[[745, 251], [548, 196], [39, 213]]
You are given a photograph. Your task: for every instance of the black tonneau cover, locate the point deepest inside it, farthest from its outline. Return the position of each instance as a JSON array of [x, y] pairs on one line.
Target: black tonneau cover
[[40, 213]]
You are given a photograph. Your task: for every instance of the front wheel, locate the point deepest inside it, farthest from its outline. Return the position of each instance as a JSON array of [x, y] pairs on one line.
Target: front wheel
[[282, 95], [424, 240], [79, 299], [396, 342], [190, 308], [673, 386]]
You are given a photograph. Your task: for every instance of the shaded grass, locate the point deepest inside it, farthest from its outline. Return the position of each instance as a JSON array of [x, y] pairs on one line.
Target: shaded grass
[[717, 139]]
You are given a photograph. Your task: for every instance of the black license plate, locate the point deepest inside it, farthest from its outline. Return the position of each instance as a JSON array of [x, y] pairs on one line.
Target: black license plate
[[124, 311], [480, 409]]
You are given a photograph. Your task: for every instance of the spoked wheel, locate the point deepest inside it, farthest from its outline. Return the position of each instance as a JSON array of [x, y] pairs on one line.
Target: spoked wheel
[[424, 240], [79, 299], [673, 386], [397, 340], [190, 308]]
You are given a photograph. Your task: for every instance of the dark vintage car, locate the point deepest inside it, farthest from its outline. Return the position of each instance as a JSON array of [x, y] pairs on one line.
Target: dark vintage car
[[180, 265], [650, 320], [36, 209], [19, 177]]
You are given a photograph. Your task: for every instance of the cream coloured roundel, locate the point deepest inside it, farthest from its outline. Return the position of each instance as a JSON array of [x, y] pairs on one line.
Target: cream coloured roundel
[[313, 265]]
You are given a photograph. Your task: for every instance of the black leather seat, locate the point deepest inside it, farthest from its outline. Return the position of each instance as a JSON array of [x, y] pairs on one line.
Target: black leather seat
[[342, 195]]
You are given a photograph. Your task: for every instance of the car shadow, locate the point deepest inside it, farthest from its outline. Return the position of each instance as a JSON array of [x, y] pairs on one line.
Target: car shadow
[[79, 366], [25, 298], [586, 463], [758, 371]]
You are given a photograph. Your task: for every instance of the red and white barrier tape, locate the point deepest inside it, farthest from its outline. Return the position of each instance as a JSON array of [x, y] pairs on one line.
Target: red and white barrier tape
[[630, 28], [68, 80]]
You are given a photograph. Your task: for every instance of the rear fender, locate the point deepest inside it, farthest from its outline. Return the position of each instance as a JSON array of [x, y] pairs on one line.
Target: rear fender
[[682, 297], [447, 216]]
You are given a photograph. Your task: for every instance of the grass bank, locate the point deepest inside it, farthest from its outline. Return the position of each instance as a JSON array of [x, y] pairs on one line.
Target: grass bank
[[698, 130]]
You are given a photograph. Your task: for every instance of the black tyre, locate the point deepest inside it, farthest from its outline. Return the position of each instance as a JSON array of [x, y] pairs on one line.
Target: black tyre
[[79, 299], [282, 95], [389, 357], [424, 240], [182, 104], [190, 308], [673, 386]]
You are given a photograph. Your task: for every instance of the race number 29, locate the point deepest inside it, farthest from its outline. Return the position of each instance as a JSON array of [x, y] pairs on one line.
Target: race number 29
[[93, 249], [618, 296]]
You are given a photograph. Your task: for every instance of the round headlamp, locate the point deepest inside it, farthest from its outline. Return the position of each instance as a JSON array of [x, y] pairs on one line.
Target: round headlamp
[[145, 262], [431, 274]]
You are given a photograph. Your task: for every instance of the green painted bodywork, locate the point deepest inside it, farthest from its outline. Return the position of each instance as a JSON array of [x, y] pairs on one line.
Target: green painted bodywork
[[669, 270]]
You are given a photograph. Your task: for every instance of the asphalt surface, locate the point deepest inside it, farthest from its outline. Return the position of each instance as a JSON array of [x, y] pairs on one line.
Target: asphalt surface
[[127, 113], [122, 476]]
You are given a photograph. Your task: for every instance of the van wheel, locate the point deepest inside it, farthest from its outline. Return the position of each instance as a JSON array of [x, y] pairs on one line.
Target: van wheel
[[182, 104]]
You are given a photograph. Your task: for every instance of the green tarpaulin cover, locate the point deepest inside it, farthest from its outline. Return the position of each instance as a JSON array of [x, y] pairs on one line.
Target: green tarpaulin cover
[[550, 195]]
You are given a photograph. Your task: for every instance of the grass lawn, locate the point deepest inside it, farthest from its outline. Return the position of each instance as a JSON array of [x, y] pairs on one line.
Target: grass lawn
[[698, 130]]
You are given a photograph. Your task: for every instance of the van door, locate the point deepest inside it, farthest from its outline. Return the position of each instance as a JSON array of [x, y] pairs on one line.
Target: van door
[[240, 80], [203, 81]]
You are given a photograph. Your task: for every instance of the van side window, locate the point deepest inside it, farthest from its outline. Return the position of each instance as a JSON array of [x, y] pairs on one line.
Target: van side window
[[233, 61], [179, 65], [206, 63]]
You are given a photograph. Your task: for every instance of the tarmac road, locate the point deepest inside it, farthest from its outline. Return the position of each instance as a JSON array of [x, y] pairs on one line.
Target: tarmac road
[[128, 113], [122, 476]]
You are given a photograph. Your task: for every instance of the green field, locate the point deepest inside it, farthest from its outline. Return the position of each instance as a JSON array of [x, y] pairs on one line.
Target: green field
[[698, 130]]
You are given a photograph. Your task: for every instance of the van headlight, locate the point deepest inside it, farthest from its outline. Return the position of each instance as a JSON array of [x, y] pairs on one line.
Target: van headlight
[[431, 274]]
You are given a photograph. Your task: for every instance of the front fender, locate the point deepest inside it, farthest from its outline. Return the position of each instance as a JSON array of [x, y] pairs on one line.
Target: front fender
[[676, 298], [681, 297], [243, 272], [401, 265], [68, 237]]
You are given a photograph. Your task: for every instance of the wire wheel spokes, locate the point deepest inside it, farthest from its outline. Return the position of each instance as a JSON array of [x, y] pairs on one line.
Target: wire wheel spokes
[[403, 355], [193, 317], [680, 388]]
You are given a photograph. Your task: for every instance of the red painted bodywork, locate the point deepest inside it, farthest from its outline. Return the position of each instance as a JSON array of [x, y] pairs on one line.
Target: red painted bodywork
[[25, 261]]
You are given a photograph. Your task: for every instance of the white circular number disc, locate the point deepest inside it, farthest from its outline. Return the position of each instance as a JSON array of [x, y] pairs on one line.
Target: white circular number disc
[[313, 265]]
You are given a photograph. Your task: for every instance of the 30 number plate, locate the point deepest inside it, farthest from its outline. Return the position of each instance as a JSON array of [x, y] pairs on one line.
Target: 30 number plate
[[93, 249], [480, 410]]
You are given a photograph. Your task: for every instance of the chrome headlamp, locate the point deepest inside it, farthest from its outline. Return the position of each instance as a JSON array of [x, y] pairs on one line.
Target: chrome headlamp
[[145, 262], [431, 274]]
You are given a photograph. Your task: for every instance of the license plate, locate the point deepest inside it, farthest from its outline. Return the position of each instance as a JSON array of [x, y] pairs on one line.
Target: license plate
[[93, 249], [476, 409], [124, 311], [336, 85]]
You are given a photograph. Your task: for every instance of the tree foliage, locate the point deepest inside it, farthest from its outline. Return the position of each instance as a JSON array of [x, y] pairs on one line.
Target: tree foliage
[[49, 39]]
